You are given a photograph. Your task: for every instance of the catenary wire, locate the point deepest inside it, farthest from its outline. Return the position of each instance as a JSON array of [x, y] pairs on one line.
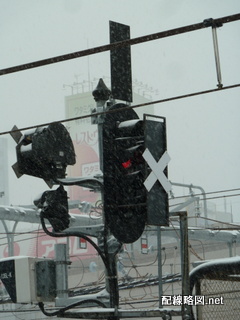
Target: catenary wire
[[116, 45], [214, 192], [211, 192], [188, 95], [209, 198], [42, 234]]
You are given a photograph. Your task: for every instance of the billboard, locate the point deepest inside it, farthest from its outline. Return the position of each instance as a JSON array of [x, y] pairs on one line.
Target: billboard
[[85, 140]]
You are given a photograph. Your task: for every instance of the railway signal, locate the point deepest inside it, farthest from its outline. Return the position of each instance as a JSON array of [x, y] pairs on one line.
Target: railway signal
[[44, 152]]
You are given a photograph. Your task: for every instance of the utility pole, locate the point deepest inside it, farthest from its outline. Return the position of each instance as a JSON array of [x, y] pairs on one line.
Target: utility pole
[[109, 246]]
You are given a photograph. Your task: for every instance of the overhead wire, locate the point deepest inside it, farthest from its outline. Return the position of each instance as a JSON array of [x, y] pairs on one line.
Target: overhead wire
[[41, 233], [236, 226], [211, 192], [121, 44], [203, 199], [205, 24], [127, 107]]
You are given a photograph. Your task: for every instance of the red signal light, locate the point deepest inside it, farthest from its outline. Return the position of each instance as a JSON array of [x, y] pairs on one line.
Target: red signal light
[[127, 164]]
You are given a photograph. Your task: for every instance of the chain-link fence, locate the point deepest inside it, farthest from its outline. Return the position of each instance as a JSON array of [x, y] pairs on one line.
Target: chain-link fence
[[221, 300], [217, 289]]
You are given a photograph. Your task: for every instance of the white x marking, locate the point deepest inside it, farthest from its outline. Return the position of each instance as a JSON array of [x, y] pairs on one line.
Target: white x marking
[[157, 171]]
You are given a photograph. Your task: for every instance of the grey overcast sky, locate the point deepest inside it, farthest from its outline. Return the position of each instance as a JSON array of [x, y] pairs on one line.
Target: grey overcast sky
[[203, 132]]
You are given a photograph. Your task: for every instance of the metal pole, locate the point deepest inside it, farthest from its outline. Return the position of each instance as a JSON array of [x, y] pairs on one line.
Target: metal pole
[[230, 247], [61, 270], [101, 95], [217, 58], [100, 106], [184, 262], [160, 290]]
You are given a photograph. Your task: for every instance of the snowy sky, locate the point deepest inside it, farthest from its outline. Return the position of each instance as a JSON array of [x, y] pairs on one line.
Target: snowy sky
[[203, 132]]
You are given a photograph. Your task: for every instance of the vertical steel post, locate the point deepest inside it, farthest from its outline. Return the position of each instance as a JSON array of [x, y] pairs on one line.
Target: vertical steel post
[[230, 247], [160, 290], [101, 94], [198, 292], [186, 311], [217, 58], [61, 270]]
